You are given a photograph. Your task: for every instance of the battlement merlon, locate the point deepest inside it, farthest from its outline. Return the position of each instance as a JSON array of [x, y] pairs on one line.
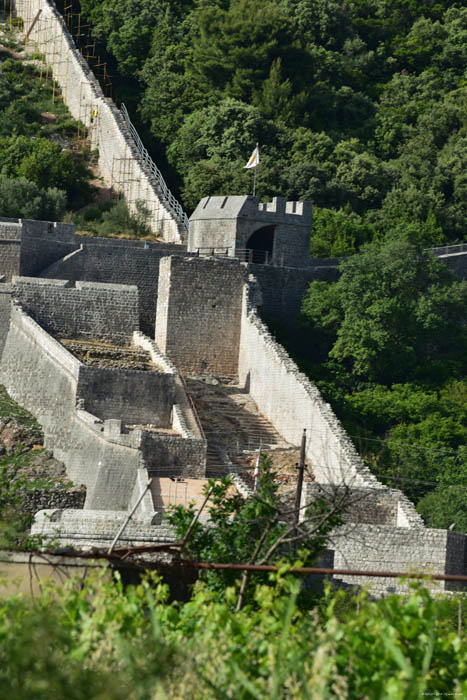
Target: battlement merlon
[[247, 206]]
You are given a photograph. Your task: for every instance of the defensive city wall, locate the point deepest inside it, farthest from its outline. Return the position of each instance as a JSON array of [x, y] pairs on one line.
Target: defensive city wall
[[84, 410], [123, 162], [114, 428]]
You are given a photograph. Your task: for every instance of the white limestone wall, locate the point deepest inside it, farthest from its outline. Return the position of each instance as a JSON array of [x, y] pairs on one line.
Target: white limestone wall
[[183, 419], [291, 402], [97, 528], [385, 548], [119, 161]]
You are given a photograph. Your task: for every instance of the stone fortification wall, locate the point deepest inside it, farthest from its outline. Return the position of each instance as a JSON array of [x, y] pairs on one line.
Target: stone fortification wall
[[291, 402], [41, 375], [184, 421], [81, 310], [119, 160], [26, 246], [10, 247], [46, 379], [98, 528], [282, 288], [198, 313], [173, 456], [379, 506], [227, 223], [6, 294], [102, 458], [132, 396], [113, 262], [385, 548], [44, 242]]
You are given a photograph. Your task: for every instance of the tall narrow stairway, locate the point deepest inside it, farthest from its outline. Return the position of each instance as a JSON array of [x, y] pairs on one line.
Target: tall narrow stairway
[[232, 423]]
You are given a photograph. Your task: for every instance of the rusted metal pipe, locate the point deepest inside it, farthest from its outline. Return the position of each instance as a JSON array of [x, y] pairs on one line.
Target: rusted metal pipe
[[318, 570]]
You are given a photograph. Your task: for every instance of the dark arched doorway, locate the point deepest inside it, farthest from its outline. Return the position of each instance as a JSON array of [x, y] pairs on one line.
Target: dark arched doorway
[[260, 245]]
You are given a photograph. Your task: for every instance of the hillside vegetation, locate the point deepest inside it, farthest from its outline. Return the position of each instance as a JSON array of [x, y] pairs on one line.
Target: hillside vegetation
[[100, 640], [358, 105], [46, 167]]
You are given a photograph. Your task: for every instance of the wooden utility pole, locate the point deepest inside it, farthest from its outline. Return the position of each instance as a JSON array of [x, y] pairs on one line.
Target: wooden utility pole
[[301, 472]]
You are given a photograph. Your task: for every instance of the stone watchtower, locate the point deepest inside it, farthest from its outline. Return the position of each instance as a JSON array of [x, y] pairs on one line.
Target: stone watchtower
[[276, 232]]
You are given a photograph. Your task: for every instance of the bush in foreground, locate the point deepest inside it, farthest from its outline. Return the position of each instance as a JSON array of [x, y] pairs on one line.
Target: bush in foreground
[[102, 640]]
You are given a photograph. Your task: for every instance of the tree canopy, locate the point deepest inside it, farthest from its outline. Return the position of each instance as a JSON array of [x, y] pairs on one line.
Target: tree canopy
[[359, 106], [394, 309], [387, 344]]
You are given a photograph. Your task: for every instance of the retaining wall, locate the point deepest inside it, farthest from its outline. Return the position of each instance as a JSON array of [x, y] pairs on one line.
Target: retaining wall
[[119, 161], [291, 402], [33, 500], [385, 548], [109, 261], [81, 310]]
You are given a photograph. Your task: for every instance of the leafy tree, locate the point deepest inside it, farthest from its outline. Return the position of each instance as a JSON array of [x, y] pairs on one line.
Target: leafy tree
[[394, 309], [338, 232], [253, 530], [118, 221], [214, 144], [236, 46], [20, 198]]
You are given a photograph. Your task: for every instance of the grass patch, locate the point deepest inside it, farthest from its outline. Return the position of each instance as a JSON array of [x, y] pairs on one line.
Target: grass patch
[[10, 409]]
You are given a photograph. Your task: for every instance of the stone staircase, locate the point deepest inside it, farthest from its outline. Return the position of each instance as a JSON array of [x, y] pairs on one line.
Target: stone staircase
[[232, 423]]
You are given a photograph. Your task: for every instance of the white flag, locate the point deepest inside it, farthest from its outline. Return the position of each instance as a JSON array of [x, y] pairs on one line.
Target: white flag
[[254, 159], [256, 472]]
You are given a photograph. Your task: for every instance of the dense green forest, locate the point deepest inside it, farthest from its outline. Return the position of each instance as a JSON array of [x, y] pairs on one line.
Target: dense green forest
[[361, 107], [45, 165]]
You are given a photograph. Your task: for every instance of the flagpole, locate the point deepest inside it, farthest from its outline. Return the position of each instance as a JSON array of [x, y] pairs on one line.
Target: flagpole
[[254, 174], [253, 162]]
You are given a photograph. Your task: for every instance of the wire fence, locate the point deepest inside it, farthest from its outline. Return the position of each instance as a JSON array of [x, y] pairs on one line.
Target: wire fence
[[155, 173]]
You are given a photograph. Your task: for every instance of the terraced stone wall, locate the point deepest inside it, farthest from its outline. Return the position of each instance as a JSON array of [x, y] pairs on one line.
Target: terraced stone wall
[[86, 310], [388, 548], [119, 262]]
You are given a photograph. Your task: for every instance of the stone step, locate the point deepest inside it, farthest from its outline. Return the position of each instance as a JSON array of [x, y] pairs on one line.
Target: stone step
[[231, 422]]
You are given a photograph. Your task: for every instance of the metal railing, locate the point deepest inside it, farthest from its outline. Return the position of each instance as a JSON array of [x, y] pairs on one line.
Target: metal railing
[[192, 405], [251, 255], [248, 255], [156, 174], [208, 251]]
